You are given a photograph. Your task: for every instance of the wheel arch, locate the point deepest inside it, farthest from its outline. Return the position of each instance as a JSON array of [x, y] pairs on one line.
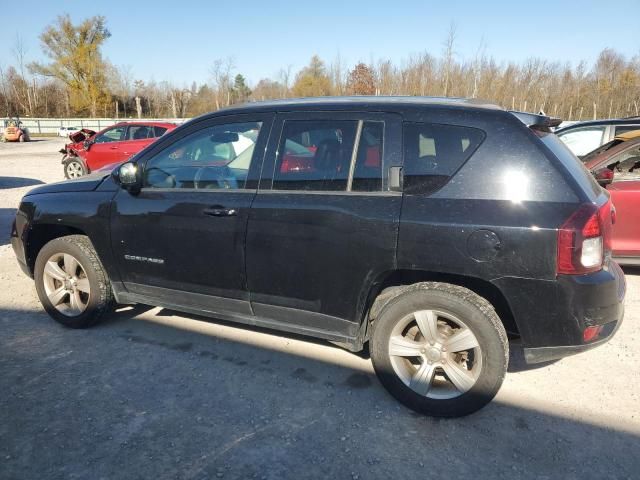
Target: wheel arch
[[392, 282], [42, 233], [73, 157]]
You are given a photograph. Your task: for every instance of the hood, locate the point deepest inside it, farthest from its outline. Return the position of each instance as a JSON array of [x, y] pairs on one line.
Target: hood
[[86, 183], [81, 135]]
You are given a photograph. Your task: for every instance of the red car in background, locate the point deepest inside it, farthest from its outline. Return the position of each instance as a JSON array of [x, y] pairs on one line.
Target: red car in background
[[616, 166], [90, 151]]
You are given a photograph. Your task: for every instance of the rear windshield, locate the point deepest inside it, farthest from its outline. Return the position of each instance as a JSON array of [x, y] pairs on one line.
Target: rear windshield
[[434, 152], [571, 163]]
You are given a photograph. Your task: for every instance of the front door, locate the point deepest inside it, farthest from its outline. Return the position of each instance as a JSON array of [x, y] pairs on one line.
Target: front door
[[324, 225], [105, 148], [181, 238]]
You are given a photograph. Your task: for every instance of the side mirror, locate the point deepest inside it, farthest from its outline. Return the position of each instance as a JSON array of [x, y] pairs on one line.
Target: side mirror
[[86, 145], [127, 176], [604, 176]]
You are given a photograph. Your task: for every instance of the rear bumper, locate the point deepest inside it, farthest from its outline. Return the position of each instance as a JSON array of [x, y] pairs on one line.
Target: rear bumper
[[552, 315], [546, 354]]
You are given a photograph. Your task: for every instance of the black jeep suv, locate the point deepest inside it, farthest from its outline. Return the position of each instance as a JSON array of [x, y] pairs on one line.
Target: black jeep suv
[[427, 228]]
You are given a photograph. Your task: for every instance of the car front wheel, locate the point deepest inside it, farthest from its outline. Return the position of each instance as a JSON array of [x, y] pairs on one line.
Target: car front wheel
[[74, 168], [71, 282], [440, 349]]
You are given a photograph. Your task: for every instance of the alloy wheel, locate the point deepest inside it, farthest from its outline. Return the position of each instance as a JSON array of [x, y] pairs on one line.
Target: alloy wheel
[[74, 170], [66, 284], [435, 354]]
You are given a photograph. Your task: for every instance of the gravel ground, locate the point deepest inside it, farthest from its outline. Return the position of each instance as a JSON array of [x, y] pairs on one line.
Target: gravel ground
[[151, 393]]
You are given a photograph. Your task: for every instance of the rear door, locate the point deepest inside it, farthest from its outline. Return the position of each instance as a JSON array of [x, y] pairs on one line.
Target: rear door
[[137, 137], [324, 224]]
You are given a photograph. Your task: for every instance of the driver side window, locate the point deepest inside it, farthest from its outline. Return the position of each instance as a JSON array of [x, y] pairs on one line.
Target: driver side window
[[111, 135], [216, 157]]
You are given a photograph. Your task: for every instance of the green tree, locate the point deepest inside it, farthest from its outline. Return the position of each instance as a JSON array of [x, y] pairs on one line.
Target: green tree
[[77, 61], [240, 92], [312, 80]]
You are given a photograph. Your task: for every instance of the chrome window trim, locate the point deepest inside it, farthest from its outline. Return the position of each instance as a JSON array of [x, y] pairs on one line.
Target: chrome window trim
[[354, 155]]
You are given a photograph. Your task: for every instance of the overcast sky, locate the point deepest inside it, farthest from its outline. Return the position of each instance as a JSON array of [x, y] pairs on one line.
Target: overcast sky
[[178, 41]]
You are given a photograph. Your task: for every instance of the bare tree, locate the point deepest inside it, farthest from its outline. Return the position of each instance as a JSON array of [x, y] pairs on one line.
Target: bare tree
[[222, 83], [22, 90], [449, 54]]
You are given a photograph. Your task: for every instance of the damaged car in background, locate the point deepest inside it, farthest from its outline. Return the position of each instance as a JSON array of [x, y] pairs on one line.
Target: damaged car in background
[[89, 151]]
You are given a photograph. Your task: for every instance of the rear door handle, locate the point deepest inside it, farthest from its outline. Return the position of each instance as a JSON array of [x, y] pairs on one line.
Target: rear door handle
[[220, 211]]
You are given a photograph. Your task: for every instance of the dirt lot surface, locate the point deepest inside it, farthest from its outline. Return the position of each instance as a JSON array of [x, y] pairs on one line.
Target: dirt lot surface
[[151, 393]]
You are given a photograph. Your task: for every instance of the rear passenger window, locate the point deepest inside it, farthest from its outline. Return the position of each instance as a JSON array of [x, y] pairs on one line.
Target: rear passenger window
[[626, 128], [139, 132], [434, 152], [315, 155]]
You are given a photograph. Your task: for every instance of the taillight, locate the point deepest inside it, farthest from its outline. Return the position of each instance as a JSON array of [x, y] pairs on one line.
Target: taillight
[[584, 239]]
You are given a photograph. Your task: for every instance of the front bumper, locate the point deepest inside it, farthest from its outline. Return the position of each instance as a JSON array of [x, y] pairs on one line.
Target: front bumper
[[19, 230]]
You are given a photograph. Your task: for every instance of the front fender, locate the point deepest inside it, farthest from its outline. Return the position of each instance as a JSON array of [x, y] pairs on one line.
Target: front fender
[[47, 216]]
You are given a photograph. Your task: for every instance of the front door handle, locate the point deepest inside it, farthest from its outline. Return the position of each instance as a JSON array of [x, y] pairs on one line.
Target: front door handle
[[220, 211]]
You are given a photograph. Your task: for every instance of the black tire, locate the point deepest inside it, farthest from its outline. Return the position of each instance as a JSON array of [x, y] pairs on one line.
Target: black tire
[[477, 314], [21, 138], [101, 296], [73, 164]]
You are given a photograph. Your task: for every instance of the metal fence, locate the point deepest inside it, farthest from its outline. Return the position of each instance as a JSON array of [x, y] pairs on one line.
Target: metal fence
[[48, 126]]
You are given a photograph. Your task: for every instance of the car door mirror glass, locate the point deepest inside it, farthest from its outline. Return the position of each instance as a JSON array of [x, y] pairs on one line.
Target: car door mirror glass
[[128, 174]]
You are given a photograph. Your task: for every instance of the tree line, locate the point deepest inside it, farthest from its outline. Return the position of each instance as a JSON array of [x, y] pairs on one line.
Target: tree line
[[78, 81]]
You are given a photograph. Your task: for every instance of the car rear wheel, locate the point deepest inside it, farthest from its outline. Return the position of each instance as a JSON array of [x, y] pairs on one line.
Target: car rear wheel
[[74, 168], [440, 349], [71, 282]]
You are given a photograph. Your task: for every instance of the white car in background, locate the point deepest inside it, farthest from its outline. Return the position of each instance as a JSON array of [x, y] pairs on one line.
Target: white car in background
[[66, 131], [584, 137]]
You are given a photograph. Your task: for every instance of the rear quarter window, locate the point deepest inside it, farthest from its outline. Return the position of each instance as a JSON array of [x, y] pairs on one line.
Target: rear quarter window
[[433, 153]]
